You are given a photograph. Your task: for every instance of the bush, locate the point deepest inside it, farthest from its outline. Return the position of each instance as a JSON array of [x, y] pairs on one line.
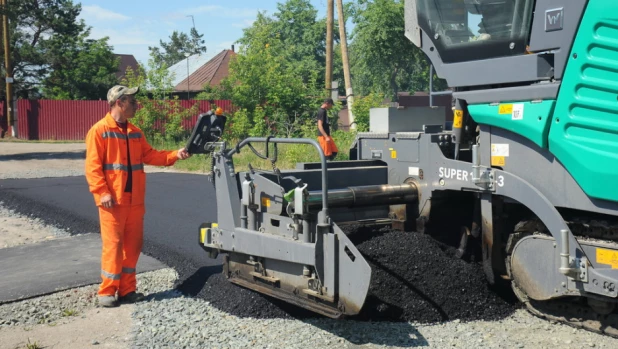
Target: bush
[[361, 108], [261, 127], [162, 120], [239, 125]]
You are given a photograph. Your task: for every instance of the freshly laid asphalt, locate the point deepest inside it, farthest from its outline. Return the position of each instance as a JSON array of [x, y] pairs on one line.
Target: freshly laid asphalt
[[176, 205], [55, 265]]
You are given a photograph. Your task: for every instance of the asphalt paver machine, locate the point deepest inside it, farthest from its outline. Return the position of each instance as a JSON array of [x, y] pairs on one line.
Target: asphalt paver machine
[[531, 154]]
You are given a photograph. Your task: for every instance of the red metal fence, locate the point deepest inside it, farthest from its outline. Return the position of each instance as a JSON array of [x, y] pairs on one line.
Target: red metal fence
[[71, 120]]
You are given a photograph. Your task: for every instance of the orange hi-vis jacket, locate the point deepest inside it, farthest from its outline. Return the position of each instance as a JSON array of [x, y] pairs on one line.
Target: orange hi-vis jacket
[[107, 163]]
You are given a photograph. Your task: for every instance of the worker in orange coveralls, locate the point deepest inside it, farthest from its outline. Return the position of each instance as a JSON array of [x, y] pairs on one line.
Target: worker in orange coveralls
[[116, 152], [327, 143]]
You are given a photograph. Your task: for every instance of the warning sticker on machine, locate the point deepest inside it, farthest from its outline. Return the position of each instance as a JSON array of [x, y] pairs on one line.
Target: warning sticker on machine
[[505, 109], [265, 202], [393, 153], [518, 112], [499, 149], [458, 119], [498, 161], [608, 257]]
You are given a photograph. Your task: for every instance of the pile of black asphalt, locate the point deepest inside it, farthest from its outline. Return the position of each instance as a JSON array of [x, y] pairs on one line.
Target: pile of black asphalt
[[419, 279], [414, 277]]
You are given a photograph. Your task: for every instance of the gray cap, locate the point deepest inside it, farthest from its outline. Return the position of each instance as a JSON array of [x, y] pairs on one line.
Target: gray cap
[[118, 91]]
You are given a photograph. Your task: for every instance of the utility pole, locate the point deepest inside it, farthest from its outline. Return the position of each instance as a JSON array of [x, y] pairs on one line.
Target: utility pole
[[187, 54], [193, 50], [7, 65], [346, 65], [329, 45]]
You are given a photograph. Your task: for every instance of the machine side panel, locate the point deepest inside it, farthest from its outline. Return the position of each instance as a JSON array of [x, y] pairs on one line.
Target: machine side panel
[[584, 131], [228, 196], [539, 167], [553, 28], [404, 119], [531, 120], [337, 177], [545, 90]]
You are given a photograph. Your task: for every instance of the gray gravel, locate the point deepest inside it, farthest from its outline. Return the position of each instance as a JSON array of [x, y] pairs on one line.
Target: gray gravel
[[49, 309], [167, 319]]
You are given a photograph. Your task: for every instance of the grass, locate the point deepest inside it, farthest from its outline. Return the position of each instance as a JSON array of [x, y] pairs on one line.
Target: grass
[[69, 312], [34, 345], [287, 157]]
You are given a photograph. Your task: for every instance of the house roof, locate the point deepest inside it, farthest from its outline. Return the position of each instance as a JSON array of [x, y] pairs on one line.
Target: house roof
[[211, 73], [125, 62], [178, 71]]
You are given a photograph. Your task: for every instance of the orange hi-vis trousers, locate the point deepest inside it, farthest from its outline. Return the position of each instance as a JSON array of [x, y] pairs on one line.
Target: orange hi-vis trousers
[[122, 231], [328, 147]]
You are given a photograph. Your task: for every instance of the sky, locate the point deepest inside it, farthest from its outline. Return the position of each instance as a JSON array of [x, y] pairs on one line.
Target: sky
[[132, 26]]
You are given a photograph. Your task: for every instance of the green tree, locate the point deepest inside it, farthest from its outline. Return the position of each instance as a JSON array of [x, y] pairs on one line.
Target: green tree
[[382, 59], [179, 44], [265, 74], [46, 37], [303, 35], [81, 69], [280, 68]]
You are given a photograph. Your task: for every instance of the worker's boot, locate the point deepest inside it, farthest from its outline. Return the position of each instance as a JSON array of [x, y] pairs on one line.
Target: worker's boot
[[131, 297], [108, 301]]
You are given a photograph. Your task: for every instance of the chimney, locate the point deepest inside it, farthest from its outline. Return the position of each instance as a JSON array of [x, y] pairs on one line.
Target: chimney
[[232, 48]]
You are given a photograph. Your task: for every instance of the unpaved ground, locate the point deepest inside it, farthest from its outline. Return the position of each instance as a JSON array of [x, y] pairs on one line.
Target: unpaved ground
[[101, 328], [17, 157], [15, 231]]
